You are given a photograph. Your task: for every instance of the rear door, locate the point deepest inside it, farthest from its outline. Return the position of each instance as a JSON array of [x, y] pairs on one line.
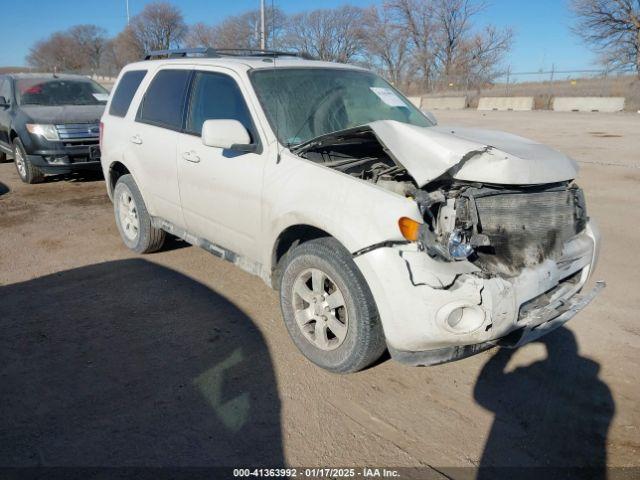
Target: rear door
[[153, 141], [220, 189]]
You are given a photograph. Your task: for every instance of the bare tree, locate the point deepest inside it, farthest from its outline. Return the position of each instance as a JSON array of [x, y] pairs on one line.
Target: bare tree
[[125, 48], [453, 19], [56, 53], [386, 43], [444, 45], [415, 17], [243, 31], [482, 54], [329, 34], [613, 28], [201, 35], [90, 42], [159, 26]]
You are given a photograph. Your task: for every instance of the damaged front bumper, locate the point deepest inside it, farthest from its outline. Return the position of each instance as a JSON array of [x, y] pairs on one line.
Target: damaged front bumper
[[416, 296]]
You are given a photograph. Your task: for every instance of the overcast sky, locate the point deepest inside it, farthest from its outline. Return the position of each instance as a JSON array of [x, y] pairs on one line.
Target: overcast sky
[[542, 27]]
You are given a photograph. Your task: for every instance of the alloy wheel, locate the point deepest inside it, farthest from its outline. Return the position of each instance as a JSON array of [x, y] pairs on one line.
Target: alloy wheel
[[320, 309]]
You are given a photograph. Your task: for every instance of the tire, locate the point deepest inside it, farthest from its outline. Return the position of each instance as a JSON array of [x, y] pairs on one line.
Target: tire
[[133, 219], [359, 340], [27, 171]]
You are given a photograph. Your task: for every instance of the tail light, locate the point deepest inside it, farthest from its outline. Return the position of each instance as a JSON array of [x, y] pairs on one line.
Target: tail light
[[101, 134]]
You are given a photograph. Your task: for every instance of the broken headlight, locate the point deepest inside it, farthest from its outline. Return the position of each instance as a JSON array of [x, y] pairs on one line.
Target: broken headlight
[[458, 245]]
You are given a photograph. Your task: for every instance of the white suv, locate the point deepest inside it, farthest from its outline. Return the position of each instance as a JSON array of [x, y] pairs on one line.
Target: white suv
[[378, 228]]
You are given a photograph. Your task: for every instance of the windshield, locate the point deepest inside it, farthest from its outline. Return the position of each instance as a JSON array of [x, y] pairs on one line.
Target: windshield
[[59, 91], [305, 103]]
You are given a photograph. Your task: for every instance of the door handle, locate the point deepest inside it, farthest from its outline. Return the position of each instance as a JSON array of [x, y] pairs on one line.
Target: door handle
[[136, 139], [191, 156]]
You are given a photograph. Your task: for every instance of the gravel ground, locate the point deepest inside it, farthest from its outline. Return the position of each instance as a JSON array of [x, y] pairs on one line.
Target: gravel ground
[[178, 358]]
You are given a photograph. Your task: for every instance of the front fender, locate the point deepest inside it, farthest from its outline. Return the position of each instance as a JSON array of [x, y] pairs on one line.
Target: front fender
[[355, 212]]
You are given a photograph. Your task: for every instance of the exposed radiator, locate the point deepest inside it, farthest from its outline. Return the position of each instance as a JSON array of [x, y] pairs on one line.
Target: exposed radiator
[[525, 228]]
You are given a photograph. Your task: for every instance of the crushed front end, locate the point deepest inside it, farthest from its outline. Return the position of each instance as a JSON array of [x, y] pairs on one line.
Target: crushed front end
[[503, 248], [491, 265]]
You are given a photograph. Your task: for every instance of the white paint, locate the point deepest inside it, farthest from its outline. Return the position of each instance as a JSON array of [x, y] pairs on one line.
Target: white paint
[[429, 152], [224, 133]]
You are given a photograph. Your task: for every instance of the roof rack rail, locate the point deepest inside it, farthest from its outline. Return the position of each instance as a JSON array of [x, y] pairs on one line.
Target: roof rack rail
[[209, 52]]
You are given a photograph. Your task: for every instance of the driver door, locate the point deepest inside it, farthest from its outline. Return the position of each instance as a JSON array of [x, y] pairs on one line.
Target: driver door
[[220, 189]]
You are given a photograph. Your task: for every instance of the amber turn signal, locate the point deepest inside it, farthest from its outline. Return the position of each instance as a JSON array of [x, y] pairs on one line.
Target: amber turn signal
[[409, 228]]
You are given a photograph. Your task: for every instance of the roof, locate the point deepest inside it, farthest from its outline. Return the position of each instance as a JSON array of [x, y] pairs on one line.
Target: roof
[[243, 63]]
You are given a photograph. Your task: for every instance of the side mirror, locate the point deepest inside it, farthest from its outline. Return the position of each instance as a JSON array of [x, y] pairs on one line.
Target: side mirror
[[432, 118], [227, 134], [4, 103]]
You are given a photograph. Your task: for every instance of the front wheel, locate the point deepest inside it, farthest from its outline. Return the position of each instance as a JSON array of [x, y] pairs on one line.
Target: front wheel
[[328, 308], [28, 172], [133, 219]]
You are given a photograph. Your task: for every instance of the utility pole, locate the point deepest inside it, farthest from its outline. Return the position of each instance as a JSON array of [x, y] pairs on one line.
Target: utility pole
[[127, 1], [263, 33]]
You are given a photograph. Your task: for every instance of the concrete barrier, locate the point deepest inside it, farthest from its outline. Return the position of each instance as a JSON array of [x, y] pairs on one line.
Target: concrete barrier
[[588, 104], [506, 103], [417, 101], [444, 103]]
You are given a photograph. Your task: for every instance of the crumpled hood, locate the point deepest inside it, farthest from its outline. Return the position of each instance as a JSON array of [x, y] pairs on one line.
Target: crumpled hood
[[472, 154], [64, 113]]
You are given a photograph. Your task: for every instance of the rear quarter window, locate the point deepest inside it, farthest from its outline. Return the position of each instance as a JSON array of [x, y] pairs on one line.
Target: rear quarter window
[[163, 103], [125, 91]]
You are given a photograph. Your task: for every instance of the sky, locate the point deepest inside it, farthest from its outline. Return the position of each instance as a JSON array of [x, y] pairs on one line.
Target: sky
[[542, 27]]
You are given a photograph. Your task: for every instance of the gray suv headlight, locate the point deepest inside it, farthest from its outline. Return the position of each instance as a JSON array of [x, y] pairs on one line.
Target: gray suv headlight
[[50, 132]]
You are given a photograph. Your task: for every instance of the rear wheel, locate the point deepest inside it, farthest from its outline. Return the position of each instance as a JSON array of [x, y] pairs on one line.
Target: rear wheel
[[328, 308], [133, 219], [28, 172]]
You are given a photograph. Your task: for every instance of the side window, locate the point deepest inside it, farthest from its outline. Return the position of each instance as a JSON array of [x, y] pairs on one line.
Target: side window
[[163, 101], [123, 95], [215, 96]]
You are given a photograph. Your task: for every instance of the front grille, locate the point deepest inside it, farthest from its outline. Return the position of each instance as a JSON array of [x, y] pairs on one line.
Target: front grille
[[526, 228], [78, 132]]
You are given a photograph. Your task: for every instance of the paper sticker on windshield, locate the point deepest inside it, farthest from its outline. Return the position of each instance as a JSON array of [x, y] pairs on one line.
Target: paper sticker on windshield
[[101, 97], [388, 96]]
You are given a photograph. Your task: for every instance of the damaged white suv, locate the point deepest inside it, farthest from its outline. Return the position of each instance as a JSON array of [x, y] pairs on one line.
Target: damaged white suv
[[378, 228]]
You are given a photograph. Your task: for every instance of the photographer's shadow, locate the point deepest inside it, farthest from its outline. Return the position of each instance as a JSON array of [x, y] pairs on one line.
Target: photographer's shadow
[[129, 363], [553, 413]]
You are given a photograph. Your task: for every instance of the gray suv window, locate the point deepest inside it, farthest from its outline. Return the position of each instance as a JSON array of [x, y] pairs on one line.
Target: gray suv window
[[123, 95], [163, 102]]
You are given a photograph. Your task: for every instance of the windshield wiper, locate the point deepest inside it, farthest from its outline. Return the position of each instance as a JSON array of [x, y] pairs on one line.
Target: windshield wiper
[[315, 141]]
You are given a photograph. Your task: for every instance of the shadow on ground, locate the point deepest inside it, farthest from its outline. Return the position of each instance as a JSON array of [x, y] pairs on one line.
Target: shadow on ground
[[3, 189], [79, 176], [553, 413], [129, 363]]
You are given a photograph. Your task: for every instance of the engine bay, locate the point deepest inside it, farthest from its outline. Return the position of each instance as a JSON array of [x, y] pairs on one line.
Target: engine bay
[[500, 228]]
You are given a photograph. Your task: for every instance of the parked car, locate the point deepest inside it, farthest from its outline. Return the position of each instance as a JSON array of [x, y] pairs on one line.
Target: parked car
[[49, 123], [378, 228]]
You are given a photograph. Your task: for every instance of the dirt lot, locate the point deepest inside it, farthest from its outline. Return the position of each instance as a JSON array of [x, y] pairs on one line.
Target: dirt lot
[[178, 358]]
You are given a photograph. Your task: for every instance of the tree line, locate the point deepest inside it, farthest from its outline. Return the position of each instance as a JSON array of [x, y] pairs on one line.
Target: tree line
[[416, 44]]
